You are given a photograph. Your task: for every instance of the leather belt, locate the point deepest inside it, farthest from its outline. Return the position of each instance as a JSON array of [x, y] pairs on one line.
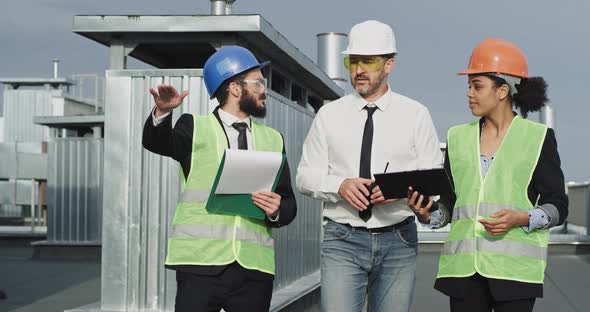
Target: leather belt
[[379, 230]]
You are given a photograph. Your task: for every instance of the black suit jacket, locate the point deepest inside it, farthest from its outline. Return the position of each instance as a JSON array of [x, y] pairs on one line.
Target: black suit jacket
[[548, 185], [177, 143]]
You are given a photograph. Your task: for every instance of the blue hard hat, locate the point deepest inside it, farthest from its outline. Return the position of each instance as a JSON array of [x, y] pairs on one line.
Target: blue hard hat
[[228, 62]]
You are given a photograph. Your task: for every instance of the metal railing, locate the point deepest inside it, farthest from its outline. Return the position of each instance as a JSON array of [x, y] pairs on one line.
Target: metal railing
[[22, 187], [579, 205], [89, 88]]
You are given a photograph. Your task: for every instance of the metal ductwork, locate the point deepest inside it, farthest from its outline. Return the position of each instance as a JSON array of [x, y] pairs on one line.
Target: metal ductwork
[[222, 7], [330, 59], [55, 68], [229, 6], [548, 116], [217, 7]]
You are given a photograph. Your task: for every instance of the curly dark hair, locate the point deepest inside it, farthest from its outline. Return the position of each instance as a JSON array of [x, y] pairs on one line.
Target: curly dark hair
[[531, 95]]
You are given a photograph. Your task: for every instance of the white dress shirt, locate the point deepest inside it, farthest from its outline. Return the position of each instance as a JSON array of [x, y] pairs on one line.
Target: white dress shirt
[[232, 134], [404, 136]]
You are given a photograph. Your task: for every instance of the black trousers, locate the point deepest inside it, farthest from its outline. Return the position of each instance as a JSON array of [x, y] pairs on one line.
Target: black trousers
[[478, 298], [236, 289]]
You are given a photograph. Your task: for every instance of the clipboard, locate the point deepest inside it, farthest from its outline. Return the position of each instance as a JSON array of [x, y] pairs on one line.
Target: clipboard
[[427, 182], [237, 204]]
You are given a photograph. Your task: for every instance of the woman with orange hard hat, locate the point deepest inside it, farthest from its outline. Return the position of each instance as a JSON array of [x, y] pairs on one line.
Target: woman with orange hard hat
[[508, 188]]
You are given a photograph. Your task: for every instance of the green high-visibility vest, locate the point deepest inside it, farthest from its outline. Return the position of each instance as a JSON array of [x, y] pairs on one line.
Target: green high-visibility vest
[[198, 237], [516, 255]]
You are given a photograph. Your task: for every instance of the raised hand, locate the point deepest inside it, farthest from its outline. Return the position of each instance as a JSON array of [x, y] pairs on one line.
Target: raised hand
[[167, 99]]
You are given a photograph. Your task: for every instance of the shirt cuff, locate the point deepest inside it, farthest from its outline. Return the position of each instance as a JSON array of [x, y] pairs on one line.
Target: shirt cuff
[[275, 218], [157, 120], [435, 219], [440, 217], [332, 186], [538, 219]]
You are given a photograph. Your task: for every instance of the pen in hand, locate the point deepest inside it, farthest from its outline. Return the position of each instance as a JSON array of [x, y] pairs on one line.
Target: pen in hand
[[373, 185]]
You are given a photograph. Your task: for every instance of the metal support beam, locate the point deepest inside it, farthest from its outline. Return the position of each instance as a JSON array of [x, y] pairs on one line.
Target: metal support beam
[[119, 52], [96, 132]]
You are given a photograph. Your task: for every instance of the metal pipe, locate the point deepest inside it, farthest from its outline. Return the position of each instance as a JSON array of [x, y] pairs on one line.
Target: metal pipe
[[229, 6], [33, 206], [55, 68], [548, 116], [330, 58], [96, 95], [218, 7], [97, 132], [42, 186]]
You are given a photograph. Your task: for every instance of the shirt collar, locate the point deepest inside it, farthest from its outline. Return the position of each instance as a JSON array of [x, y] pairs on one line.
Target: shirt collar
[[382, 103], [229, 119]]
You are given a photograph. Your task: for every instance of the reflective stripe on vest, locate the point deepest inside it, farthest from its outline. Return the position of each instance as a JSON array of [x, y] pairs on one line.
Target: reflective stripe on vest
[[498, 246], [198, 237], [485, 209], [220, 232], [194, 196], [515, 255]]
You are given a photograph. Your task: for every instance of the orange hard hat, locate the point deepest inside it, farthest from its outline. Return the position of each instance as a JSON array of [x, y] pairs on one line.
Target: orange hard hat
[[497, 56]]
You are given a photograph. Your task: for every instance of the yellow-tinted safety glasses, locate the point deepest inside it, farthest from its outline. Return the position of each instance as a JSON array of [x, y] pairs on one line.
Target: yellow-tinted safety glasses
[[367, 63]]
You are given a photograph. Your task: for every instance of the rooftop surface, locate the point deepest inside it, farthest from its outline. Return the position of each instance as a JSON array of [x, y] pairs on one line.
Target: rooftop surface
[[51, 285]]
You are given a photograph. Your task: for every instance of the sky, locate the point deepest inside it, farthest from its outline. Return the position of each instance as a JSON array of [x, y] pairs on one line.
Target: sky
[[434, 40]]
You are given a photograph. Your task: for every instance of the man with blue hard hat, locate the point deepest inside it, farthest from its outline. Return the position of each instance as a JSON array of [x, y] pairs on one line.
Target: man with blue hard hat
[[221, 261]]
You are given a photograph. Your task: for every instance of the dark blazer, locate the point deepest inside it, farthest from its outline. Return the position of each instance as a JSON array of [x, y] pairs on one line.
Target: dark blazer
[[548, 185], [177, 143]]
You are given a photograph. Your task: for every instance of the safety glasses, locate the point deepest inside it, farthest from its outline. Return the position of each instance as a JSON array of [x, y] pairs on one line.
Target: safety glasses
[[260, 83], [367, 63]]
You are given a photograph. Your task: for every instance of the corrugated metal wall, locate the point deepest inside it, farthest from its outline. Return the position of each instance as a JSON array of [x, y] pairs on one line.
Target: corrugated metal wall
[[297, 245], [141, 191], [20, 106], [74, 190]]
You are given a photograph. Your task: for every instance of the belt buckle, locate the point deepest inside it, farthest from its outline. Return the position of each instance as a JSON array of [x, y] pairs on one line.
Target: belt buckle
[[373, 232]]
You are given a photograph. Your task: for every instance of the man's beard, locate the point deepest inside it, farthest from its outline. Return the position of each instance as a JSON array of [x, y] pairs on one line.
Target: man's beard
[[248, 104], [370, 89]]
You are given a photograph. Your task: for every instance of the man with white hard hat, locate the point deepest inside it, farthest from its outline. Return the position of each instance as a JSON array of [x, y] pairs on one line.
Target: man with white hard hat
[[369, 243]]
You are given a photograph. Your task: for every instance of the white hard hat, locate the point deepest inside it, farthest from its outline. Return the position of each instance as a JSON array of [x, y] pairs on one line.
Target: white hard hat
[[371, 38]]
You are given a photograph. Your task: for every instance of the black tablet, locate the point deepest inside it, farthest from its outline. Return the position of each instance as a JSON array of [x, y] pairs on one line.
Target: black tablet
[[427, 182]]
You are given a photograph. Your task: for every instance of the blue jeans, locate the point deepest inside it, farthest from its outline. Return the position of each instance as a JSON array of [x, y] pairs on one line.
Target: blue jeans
[[356, 263]]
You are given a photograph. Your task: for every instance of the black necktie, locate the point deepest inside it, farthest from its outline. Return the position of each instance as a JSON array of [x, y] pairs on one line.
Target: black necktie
[[242, 140], [365, 165]]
